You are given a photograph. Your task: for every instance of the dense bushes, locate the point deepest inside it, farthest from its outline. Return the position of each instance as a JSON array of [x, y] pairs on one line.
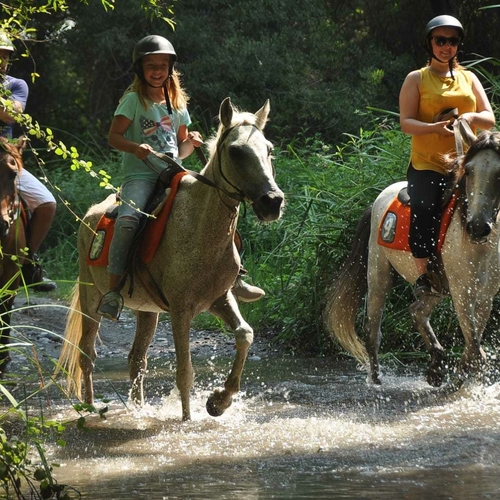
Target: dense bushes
[[321, 65]]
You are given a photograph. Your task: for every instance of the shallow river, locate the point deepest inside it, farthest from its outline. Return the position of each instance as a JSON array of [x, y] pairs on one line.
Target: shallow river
[[301, 428]]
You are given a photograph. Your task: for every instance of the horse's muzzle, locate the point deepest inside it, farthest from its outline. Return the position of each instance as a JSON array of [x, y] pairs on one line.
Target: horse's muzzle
[[478, 230], [269, 206]]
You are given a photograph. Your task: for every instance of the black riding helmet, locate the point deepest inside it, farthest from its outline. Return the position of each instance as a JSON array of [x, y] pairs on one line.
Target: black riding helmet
[[154, 44], [439, 22]]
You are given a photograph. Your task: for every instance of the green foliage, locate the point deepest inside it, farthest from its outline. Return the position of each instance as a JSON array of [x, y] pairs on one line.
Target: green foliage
[[327, 189], [305, 60], [23, 464]]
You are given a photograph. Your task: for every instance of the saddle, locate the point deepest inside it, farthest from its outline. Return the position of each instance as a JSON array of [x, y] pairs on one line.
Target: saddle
[[395, 224], [395, 227], [150, 230]]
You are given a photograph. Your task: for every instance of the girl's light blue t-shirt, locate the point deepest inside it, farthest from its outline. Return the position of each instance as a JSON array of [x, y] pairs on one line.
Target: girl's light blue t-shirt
[[153, 126]]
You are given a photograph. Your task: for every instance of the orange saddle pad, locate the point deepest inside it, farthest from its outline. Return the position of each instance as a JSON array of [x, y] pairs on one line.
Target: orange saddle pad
[[98, 254], [395, 225]]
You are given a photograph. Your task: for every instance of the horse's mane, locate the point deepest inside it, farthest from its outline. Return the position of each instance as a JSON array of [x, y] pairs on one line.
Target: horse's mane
[[239, 118], [455, 164], [7, 147]]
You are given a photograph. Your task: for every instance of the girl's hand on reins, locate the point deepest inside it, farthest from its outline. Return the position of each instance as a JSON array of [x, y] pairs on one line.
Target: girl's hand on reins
[[143, 150], [195, 138]]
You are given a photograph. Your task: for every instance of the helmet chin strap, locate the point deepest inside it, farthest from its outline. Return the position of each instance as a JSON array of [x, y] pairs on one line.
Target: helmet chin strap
[[450, 64]]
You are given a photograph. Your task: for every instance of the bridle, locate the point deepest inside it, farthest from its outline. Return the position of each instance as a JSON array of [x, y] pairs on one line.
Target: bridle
[[237, 194]]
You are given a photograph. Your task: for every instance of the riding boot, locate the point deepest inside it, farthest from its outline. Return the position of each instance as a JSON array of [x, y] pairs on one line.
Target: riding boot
[[33, 274], [245, 292]]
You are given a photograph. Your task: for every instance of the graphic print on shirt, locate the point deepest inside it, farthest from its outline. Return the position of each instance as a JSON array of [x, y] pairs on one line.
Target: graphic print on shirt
[[160, 134]]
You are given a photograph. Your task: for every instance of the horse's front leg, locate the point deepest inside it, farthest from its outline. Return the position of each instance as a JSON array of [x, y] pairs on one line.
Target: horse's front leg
[[473, 303], [181, 322], [421, 311], [227, 309], [137, 358], [472, 322]]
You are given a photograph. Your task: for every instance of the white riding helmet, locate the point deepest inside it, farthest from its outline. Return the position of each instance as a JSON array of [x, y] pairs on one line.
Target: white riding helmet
[[6, 42]]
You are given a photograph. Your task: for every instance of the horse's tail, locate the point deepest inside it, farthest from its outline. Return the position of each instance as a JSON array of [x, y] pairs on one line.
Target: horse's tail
[[344, 298], [70, 352]]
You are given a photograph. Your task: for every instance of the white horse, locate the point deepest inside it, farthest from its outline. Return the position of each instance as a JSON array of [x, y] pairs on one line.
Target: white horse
[[194, 267], [470, 267]]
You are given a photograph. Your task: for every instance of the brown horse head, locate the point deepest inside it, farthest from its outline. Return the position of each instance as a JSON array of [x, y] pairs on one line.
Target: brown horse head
[[10, 166]]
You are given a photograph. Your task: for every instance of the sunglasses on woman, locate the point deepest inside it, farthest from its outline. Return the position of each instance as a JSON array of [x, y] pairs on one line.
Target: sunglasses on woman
[[440, 41]]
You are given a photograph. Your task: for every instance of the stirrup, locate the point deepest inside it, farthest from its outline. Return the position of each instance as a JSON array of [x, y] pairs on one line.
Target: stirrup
[[110, 306], [245, 292]]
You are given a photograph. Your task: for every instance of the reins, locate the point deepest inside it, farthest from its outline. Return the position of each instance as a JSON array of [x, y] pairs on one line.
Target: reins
[[459, 143], [237, 195]]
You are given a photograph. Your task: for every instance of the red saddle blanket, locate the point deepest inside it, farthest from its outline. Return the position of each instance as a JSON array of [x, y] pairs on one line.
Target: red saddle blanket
[[99, 249], [395, 225]]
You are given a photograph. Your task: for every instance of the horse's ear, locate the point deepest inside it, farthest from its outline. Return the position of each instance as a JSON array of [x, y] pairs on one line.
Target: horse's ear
[[262, 115], [226, 112], [466, 133]]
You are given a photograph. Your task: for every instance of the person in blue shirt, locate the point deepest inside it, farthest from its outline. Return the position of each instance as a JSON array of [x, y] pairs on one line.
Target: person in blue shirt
[[39, 200]]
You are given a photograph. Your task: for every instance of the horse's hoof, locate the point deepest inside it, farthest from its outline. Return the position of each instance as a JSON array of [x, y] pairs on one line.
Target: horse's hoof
[[212, 409], [214, 405], [434, 375], [434, 379]]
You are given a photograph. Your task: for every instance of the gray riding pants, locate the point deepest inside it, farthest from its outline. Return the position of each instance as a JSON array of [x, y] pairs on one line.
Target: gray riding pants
[[134, 197]]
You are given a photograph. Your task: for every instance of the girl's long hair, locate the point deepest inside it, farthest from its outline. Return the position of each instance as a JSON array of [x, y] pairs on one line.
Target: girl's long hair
[[176, 93]]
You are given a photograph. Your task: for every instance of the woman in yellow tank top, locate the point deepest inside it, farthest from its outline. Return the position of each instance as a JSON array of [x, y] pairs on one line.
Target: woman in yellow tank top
[[442, 84]]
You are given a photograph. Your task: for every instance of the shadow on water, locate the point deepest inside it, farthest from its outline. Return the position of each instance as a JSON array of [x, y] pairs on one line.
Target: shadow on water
[[301, 428]]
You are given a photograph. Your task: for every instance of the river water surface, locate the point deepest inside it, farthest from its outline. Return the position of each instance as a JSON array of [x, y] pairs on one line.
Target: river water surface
[[300, 428]]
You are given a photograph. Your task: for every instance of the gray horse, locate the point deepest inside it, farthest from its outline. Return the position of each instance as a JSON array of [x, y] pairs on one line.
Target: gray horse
[[194, 267], [470, 267]]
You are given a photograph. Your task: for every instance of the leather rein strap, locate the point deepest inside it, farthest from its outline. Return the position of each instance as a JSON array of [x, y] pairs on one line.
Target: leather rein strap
[[237, 195], [459, 145], [461, 129]]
